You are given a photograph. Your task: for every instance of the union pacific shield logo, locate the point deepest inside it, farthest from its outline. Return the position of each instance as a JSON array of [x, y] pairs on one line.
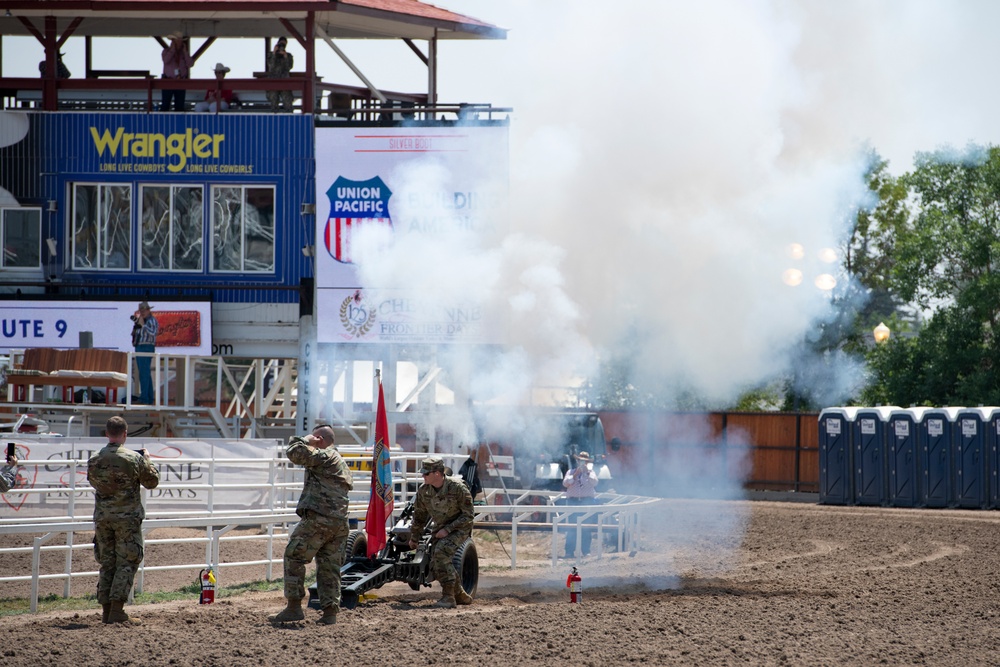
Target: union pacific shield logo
[[353, 205]]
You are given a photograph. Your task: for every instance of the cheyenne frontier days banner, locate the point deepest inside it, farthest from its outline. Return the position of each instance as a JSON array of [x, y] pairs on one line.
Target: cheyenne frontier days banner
[[390, 183], [195, 475]]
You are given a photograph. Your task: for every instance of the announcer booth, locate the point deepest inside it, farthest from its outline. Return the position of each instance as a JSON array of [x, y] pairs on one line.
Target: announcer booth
[[869, 445], [169, 199], [835, 428], [973, 439], [901, 448], [934, 459]]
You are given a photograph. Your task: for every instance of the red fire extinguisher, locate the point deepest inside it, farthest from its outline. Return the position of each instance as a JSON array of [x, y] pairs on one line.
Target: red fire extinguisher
[[575, 585], [207, 586]]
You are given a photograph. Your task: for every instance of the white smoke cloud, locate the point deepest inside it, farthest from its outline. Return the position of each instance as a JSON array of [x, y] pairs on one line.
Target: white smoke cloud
[[674, 150], [651, 146], [669, 154], [663, 160]]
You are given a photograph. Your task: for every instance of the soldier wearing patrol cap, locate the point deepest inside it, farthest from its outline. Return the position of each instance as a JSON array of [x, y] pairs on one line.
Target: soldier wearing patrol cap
[[446, 503], [322, 533], [116, 474]]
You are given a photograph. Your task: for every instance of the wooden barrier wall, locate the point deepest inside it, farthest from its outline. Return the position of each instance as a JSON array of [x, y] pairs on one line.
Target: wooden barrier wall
[[775, 451], [772, 451]]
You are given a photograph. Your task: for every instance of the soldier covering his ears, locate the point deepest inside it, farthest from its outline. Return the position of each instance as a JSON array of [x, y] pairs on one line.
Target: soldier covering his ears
[[322, 533]]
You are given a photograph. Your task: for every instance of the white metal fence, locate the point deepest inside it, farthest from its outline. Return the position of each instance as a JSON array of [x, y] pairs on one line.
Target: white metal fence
[[277, 493]]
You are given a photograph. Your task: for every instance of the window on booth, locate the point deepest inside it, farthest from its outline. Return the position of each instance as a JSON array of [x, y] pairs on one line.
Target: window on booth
[[21, 233], [102, 230], [171, 227], [243, 229]]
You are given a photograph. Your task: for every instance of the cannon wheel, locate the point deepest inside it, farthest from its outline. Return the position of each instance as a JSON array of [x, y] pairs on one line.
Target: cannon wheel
[[356, 545], [466, 562]]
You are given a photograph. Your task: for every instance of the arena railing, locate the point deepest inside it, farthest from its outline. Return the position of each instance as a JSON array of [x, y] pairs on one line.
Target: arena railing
[[514, 510]]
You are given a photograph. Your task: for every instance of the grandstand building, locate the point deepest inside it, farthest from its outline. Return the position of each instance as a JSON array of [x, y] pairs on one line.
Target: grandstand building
[[243, 228]]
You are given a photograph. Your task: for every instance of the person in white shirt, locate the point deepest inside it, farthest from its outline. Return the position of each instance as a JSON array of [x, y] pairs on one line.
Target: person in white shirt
[[581, 489]]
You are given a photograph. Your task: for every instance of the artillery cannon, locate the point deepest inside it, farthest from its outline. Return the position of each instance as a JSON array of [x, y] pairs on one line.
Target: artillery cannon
[[397, 561]]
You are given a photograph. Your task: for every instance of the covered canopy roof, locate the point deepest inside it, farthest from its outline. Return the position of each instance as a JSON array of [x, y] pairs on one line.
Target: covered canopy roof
[[345, 19]]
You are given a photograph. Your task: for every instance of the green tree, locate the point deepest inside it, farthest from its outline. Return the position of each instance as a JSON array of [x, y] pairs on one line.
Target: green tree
[[870, 258], [945, 265]]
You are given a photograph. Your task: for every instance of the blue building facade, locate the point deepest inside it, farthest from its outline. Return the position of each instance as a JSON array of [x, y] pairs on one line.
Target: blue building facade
[[159, 204]]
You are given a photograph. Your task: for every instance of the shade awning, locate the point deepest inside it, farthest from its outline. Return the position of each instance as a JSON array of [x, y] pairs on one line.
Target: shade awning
[[343, 19]]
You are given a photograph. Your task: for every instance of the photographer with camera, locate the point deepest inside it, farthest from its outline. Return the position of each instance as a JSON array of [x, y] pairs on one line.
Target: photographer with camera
[[116, 473], [580, 483], [177, 64], [279, 65], [144, 331], [8, 474]]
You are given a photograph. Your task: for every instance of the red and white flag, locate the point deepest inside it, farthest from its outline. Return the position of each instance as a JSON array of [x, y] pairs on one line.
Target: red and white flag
[[380, 503]]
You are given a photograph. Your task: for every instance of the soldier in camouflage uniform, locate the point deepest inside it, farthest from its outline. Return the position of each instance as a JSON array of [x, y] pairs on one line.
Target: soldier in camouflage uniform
[[116, 473], [279, 65], [447, 503], [322, 532]]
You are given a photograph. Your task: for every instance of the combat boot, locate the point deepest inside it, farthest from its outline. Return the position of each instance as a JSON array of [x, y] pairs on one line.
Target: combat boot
[[105, 610], [447, 600], [329, 616], [117, 615], [461, 597], [291, 612]]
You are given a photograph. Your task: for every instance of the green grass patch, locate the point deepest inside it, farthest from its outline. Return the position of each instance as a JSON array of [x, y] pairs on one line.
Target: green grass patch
[[506, 568], [486, 536], [16, 606]]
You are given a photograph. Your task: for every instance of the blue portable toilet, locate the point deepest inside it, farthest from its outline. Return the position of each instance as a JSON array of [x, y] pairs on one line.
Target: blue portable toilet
[[868, 441], [970, 456], [835, 426], [992, 437], [901, 445], [934, 457]]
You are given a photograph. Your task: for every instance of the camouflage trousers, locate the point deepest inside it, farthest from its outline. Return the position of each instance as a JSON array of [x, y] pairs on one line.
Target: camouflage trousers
[[323, 538], [118, 550], [280, 98], [444, 551]]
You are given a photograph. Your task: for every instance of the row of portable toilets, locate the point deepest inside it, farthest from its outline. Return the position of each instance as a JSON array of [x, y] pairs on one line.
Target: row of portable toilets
[[912, 457]]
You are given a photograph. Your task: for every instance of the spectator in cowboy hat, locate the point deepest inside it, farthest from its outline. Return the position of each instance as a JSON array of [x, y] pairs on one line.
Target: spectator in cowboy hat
[[177, 64], [218, 98], [144, 331], [580, 483]]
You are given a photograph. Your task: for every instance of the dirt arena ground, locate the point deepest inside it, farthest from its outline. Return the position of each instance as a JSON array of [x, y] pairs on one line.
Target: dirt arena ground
[[716, 583]]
